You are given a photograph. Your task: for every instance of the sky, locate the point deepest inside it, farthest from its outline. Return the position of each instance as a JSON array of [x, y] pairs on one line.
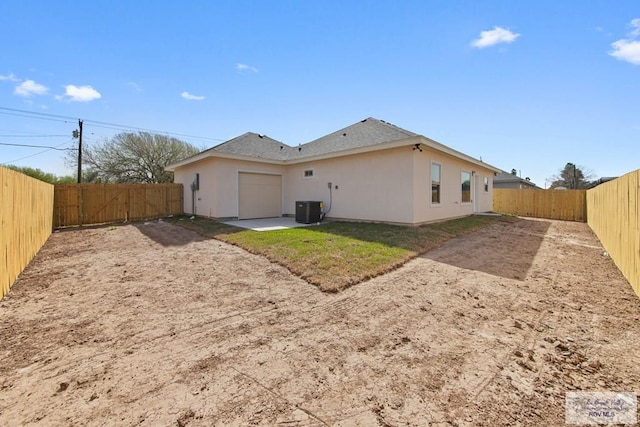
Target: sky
[[526, 85]]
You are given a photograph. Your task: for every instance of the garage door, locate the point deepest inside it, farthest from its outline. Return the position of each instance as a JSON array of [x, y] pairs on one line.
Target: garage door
[[259, 195]]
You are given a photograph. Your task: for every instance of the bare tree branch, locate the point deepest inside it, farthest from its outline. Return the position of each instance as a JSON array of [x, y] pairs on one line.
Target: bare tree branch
[[133, 157]]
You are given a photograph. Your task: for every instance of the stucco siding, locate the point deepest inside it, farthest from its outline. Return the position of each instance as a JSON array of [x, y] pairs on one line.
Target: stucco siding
[[451, 204], [204, 197], [389, 185], [218, 194], [374, 186]]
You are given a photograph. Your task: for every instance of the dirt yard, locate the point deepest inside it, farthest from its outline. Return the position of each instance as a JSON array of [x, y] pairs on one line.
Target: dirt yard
[[151, 324]]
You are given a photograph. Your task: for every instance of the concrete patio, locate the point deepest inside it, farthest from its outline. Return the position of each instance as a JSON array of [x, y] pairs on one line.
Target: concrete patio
[[268, 224]]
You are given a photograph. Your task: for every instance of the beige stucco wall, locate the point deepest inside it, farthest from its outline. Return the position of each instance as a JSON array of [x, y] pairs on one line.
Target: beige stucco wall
[[218, 194], [451, 204], [374, 186], [392, 185], [185, 176]]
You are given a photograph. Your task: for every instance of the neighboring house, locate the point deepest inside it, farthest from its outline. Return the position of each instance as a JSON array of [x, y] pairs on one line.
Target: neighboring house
[[369, 171], [601, 181], [511, 180]]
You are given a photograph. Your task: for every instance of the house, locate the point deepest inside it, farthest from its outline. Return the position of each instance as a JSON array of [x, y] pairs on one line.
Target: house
[[602, 180], [369, 171], [511, 180]]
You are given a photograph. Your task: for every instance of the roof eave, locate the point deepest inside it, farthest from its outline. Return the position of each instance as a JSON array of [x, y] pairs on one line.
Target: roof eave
[[352, 151], [411, 140], [455, 153], [220, 155]]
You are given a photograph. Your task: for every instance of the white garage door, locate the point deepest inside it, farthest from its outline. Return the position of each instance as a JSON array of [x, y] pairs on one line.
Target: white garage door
[[259, 195]]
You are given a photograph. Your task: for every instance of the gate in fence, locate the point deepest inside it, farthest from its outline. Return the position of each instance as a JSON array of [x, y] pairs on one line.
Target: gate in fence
[[85, 204]]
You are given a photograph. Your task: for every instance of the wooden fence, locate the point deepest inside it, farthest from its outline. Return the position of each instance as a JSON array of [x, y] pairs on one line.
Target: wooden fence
[[85, 204], [26, 213], [614, 215], [568, 205]]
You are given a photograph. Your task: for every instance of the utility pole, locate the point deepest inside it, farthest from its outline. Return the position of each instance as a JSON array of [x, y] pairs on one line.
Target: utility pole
[[80, 152], [573, 182]]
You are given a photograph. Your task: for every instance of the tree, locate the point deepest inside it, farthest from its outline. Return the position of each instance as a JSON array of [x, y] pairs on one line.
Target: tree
[[133, 157], [572, 177], [41, 175]]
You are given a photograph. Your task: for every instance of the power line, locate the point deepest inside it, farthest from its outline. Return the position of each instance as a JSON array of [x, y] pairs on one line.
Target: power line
[[114, 126], [41, 152], [36, 113], [96, 123], [31, 136], [32, 117], [34, 146]]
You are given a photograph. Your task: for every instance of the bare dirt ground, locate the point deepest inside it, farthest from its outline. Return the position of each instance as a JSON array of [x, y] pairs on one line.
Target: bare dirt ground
[[151, 324]]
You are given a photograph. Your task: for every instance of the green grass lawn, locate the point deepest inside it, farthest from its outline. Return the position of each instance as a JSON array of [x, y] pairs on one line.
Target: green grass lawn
[[336, 255]]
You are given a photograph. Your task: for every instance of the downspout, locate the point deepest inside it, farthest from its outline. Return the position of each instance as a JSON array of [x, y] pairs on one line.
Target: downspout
[[323, 214], [195, 186]]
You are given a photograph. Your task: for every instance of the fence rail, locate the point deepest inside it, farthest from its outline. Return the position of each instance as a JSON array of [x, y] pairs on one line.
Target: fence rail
[[614, 216], [26, 212], [85, 204], [568, 205]]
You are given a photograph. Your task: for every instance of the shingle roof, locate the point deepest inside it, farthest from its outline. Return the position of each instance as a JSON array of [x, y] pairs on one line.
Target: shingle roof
[[509, 177], [367, 132], [254, 145]]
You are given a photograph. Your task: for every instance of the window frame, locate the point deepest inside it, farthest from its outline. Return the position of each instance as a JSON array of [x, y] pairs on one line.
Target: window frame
[[312, 176], [439, 184], [462, 192], [486, 184]]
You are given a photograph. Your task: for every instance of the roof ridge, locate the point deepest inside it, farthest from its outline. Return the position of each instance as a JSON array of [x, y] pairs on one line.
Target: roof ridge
[[391, 125], [229, 141]]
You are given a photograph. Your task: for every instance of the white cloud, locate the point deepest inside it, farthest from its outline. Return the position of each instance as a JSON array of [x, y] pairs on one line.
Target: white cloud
[[628, 49], [9, 78], [635, 27], [603, 30], [79, 94], [191, 97], [135, 86], [245, 67], [493, 37], [30, 88]]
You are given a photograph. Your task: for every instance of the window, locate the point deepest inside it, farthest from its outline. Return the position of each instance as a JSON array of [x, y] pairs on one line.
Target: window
[[435, 183], [308, 173], [486, 184], [466, 186]]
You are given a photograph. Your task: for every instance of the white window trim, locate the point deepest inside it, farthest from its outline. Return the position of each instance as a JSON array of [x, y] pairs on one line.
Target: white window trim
[[436, 204], [470, 187], [313, 173]]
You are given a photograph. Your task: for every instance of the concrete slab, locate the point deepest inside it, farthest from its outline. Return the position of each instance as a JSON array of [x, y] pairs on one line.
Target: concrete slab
[[267, 224]]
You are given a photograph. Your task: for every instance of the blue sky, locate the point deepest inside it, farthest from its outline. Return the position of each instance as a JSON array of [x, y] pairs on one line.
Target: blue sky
[[529, 85]]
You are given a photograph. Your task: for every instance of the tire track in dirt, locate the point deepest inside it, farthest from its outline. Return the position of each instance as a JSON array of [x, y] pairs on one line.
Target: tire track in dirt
[[170, 329]]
